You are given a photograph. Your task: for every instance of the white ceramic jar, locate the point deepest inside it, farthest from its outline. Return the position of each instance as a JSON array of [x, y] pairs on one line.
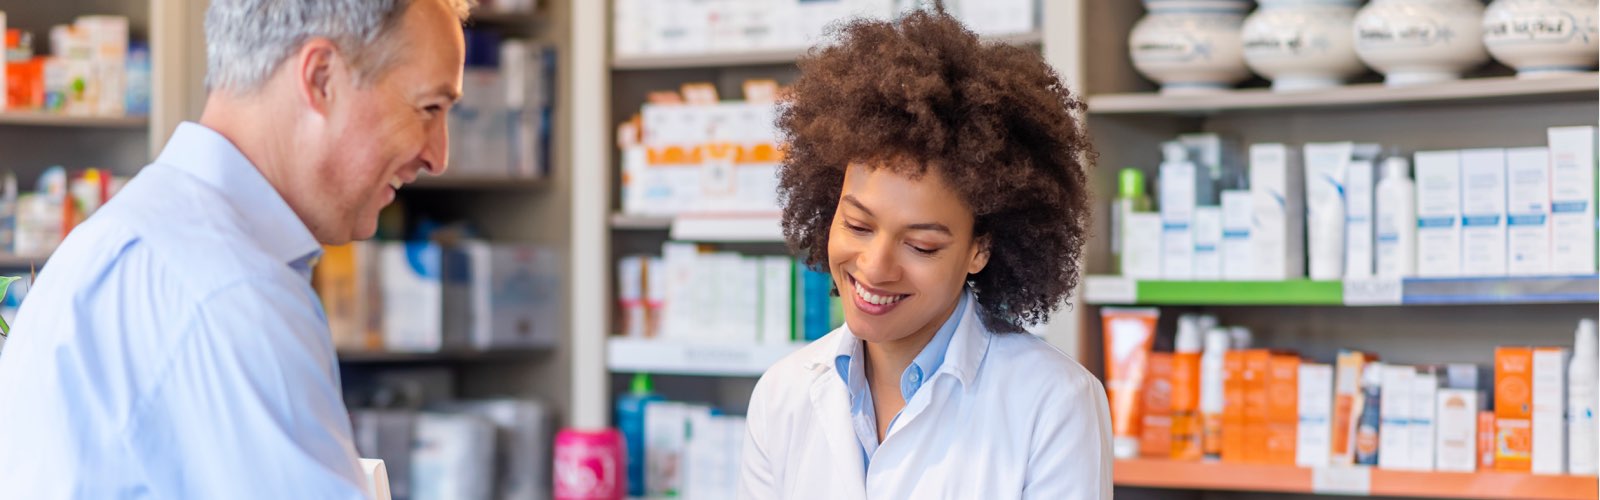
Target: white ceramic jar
[[1421, 41], [1190, 46], [1302, 44], [1542, 37]]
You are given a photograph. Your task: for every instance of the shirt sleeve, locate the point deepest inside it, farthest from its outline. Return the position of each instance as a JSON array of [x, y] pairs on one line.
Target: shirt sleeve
[[249, 406], [756, 480], [1070, 457]]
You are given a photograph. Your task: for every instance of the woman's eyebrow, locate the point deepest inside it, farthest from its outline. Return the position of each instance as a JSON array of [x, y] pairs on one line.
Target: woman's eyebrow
[[921, 226]]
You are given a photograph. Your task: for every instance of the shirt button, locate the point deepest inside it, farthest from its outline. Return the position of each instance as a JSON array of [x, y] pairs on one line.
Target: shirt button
[[916, 377]]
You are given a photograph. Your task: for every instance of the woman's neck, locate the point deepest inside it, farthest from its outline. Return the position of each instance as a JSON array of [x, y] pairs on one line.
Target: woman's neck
[[887, 360]]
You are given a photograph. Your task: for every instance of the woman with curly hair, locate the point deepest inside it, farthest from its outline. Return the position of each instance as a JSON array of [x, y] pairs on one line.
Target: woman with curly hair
[[940, 181]]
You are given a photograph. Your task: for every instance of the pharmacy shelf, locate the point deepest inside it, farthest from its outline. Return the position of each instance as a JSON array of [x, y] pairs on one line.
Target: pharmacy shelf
[[709, 228], [479, 183], [1496, 89], [506, 19], [627, 355], [1355, 481], [757, 57], [458, 356], [627, 222], [56, 120], [1108, 290]]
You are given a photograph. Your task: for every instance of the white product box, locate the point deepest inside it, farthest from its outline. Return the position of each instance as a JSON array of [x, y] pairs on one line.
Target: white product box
[[513, 296], [1208, 152], [413, 296], [1207, 243], [522, 435], [1424, 422], [1238, 255], [1550, 410], [1141, 246], [1314, 436], [1277, 230], [1359, 185], [1326, 166], [1483, 212], [1394, 429], [630, 295], [1572, 200], [1177, 219], [777, 299], [453, 457], [1456, 440], [1438, 213], [680, 315], [1528, 211], [665, 434]]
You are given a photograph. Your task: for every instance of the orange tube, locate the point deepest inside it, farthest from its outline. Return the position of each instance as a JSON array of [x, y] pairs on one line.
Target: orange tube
[[1129, 334]]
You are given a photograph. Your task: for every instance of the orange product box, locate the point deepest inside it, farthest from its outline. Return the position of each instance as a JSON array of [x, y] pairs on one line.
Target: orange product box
[[1486, 448], [1346, 395], [1283, 408], [1187, 427], [1233, 414], [1513, 408], [1155, 438], [1257, 364]]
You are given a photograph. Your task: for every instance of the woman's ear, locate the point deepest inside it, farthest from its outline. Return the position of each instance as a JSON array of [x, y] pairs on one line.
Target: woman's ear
[[980, 258]]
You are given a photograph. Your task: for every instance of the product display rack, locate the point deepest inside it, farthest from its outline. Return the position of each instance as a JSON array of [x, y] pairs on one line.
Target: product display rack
[[1128, 120], [27, 118], [625, 355]]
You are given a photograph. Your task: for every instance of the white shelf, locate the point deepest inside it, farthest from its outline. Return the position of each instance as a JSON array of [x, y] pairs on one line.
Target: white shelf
[[708, 228], [627, 355], [54, 120], [14, 262], [1497, 89], [757, 57]]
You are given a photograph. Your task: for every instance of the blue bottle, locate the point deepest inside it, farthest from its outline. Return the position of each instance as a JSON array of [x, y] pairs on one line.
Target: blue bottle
[[630, 420]]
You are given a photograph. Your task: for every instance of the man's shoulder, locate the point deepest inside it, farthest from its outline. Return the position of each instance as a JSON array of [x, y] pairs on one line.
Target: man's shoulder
[[171, 228]]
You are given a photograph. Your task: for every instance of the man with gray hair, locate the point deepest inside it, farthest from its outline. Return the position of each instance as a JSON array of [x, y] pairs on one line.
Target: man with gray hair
[[173, 347]]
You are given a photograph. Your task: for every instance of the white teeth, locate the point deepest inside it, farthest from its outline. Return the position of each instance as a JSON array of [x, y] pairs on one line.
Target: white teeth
[[875, 299], [396, 184]]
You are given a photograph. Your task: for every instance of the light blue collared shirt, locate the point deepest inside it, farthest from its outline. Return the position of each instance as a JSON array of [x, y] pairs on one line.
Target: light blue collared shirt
[[850, 361], [173, 348]]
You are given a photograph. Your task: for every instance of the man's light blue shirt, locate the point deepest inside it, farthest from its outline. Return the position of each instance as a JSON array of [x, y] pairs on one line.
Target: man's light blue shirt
[[173, 348], [850, 363]]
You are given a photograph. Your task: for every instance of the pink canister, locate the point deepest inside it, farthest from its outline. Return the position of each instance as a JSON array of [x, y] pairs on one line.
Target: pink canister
[[589, 465]]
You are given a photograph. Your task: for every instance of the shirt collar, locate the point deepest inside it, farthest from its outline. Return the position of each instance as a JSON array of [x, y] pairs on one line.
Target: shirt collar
[[848, 359], [213, 159]]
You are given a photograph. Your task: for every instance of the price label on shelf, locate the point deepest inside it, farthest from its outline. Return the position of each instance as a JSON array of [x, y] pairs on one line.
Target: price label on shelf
[[1342, 481], [1110, 290], [1372, 292]]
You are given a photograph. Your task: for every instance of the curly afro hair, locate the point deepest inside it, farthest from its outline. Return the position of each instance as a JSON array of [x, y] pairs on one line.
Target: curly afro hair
[[994, 120]]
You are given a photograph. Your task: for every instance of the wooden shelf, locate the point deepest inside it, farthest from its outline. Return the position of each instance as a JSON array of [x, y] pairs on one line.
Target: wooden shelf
[[442, 357], [1497, 89], [1358, 481], [467, 183], [24, 118], [757, 57], [524, 20]]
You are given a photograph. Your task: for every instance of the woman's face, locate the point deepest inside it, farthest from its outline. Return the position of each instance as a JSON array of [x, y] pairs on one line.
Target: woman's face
[[900, 250]]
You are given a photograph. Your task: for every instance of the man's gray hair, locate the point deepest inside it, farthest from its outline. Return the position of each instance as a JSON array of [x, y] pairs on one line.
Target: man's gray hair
[[246, 40]]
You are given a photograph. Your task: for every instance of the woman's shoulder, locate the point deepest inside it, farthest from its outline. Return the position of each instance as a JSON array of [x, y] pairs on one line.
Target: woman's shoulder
[[800, 366], [1023, 359]]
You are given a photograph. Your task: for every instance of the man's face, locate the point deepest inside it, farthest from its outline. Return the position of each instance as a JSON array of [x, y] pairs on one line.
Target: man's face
[[391, 128]]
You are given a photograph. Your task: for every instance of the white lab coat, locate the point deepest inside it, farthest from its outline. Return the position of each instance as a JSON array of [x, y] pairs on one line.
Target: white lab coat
[[1005, 416]]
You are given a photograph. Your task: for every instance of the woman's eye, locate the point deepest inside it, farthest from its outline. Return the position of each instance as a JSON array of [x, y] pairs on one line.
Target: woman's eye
[[924, 251], [855, 229]]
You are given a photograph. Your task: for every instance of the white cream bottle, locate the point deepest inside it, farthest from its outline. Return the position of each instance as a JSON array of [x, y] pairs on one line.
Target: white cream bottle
[[1396, 220], [1582, 401]]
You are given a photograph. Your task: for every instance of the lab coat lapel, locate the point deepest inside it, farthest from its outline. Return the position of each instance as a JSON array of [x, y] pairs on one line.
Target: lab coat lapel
[[962, 360], [831, 402]]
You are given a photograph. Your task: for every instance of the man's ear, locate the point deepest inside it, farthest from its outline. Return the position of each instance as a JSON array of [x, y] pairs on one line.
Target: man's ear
[[318, 66], [980, 258]]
